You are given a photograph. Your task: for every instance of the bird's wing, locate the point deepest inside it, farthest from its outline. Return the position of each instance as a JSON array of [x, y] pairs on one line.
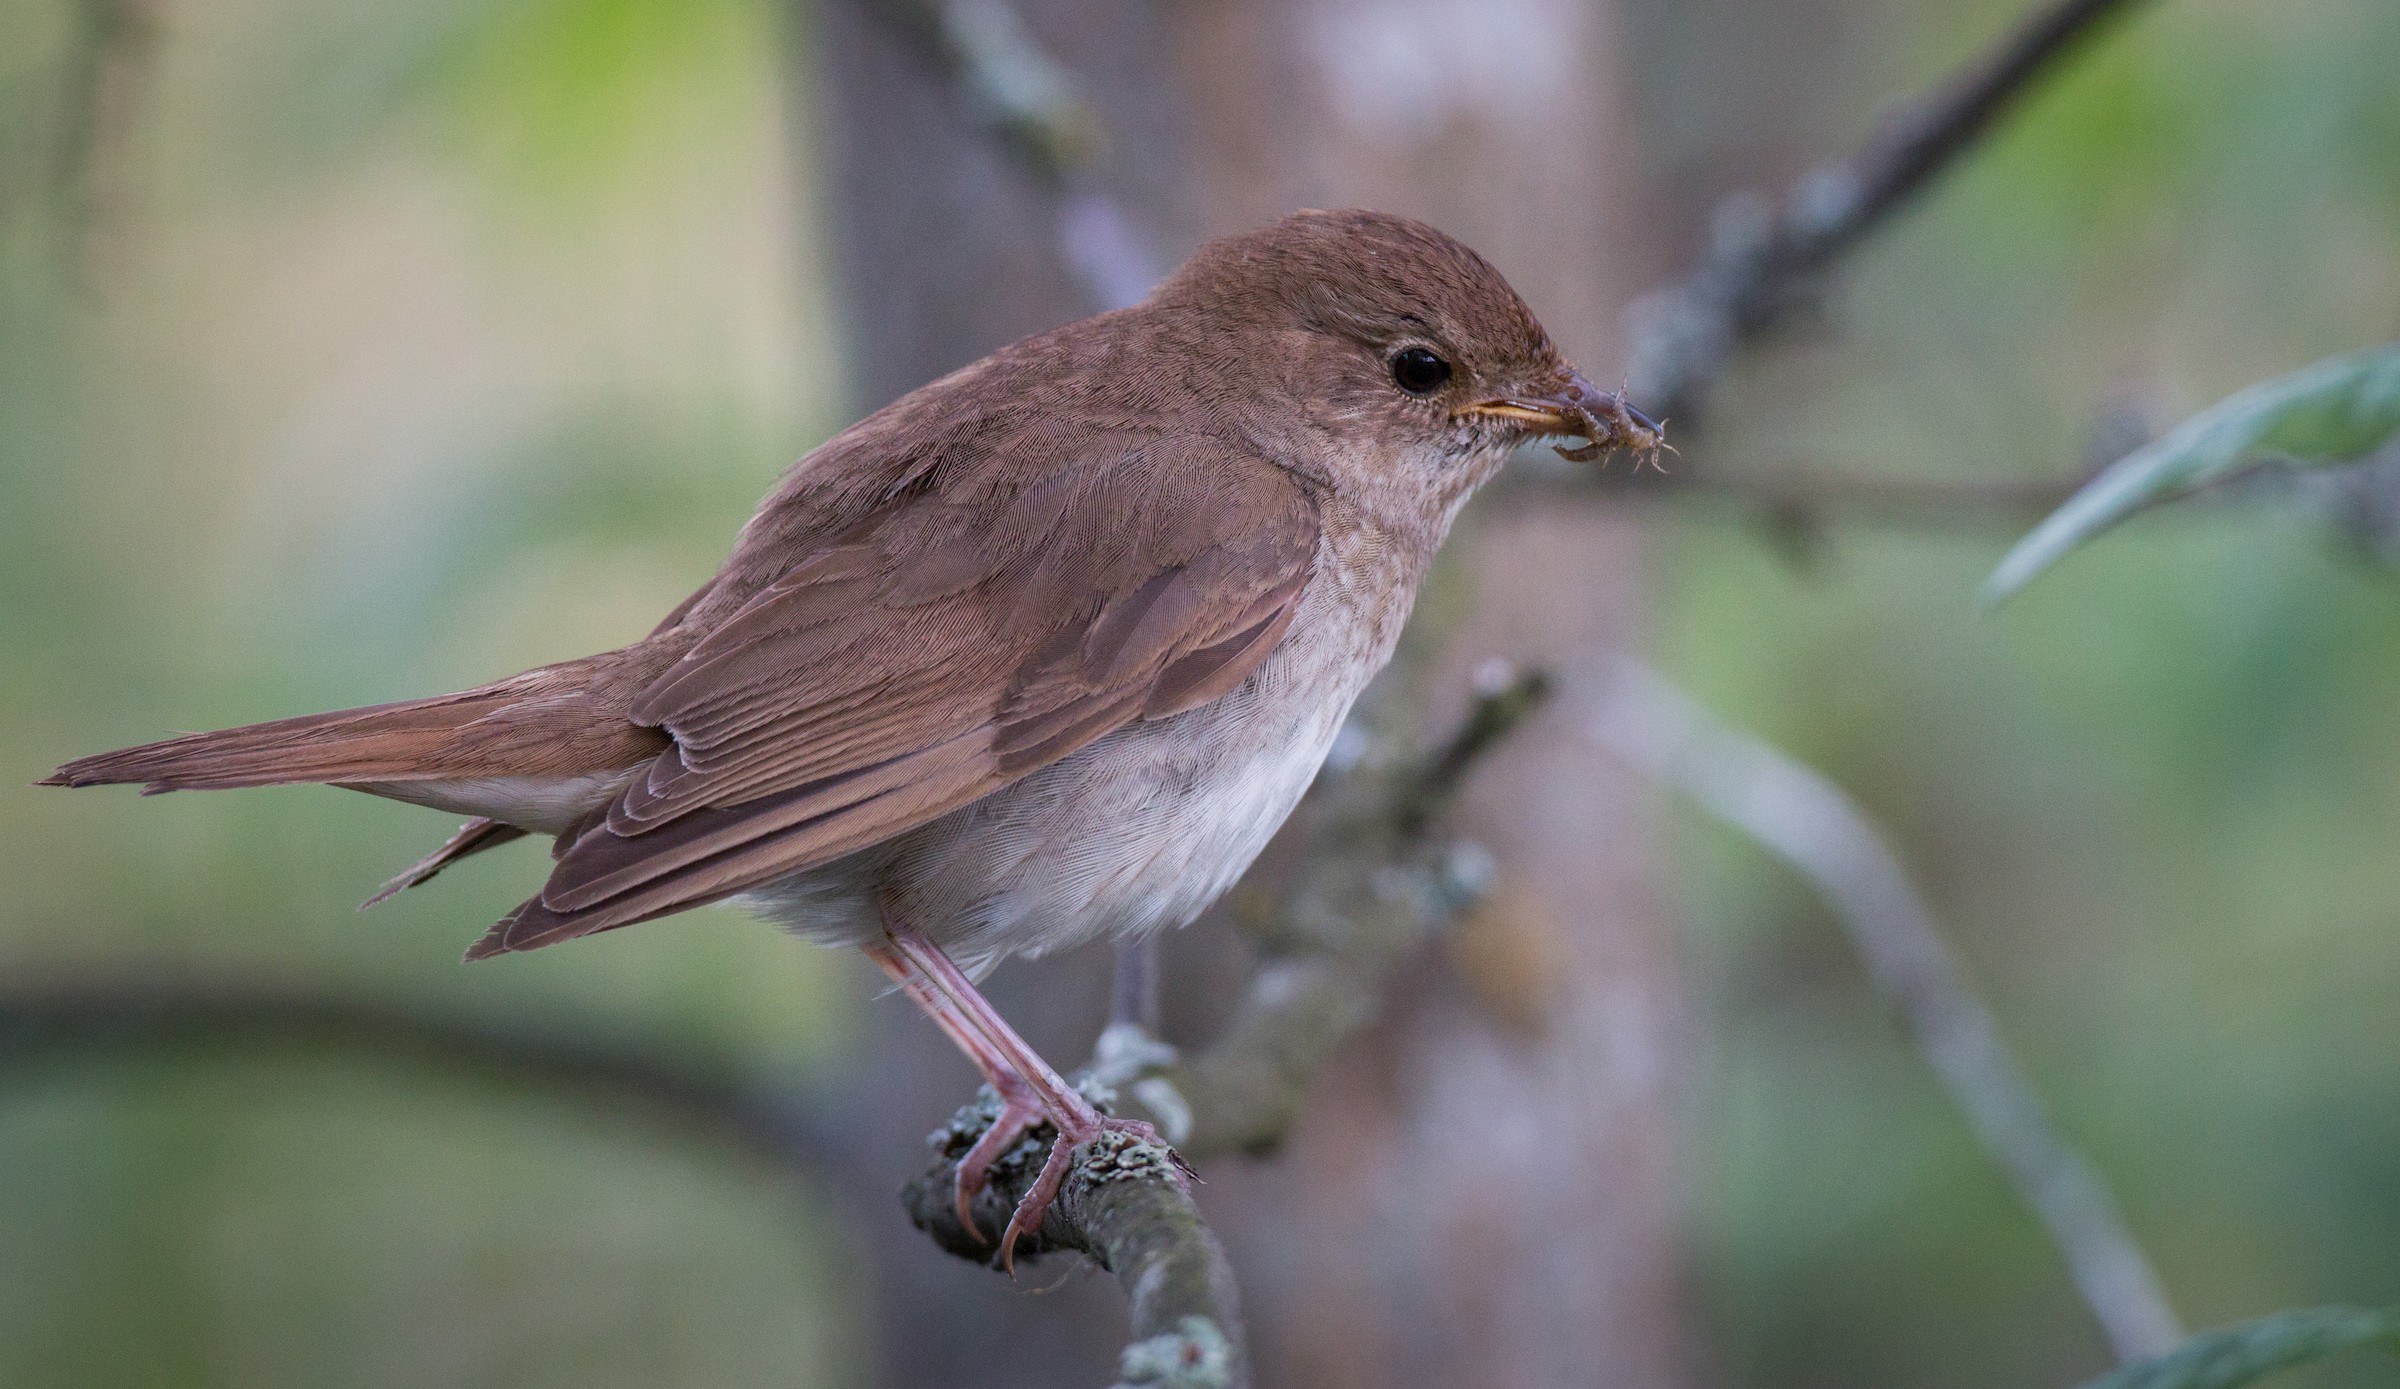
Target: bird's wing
[[979, 624]]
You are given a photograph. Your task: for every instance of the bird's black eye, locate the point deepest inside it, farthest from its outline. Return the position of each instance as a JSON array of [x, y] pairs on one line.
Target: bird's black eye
[[1419, 371]]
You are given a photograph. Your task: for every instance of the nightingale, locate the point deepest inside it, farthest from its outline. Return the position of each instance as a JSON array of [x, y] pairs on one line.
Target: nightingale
[[1038, 654]]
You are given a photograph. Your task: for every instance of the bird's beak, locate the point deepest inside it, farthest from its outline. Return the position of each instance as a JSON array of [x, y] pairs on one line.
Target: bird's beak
[[1600, 418]]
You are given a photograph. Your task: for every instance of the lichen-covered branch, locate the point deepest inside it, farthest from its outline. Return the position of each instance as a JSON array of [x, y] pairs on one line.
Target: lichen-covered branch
[[1125, 1206]]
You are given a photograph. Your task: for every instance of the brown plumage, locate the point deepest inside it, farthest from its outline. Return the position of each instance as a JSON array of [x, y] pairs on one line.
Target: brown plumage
[[1040, 652]]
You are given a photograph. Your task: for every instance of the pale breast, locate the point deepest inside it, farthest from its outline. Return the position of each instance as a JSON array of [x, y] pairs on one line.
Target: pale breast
[[1138, 832]]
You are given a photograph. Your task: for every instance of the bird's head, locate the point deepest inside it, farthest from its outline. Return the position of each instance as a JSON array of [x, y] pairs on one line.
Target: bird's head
[[1400, 346]]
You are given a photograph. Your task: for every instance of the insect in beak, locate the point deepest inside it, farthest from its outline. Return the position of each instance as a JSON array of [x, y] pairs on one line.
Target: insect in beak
[[1578, 409]]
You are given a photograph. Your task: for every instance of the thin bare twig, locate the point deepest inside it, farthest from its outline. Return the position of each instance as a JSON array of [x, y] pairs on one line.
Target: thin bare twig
[[1504, 697], [1034, 105], [1133, 987], [1804, 819], [1765, 260]]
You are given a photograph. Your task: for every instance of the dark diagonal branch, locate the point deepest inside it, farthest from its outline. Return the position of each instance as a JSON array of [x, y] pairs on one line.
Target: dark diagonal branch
[[1121, 1207], [774, 1122], [1766, 261]]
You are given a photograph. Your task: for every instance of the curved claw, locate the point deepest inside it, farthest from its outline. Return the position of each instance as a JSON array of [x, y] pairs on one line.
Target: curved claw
[[1034, 1206], [1017, 1118]]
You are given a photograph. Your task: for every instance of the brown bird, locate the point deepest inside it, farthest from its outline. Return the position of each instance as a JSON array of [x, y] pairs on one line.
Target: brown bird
[[1040, 653]]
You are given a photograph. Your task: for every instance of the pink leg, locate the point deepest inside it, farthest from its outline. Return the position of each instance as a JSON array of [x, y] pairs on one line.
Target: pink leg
[[1013, 1067], [1020, 1109]]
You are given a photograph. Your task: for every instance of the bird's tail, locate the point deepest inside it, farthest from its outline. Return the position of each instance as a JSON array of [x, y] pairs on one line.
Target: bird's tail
[[382, 742], [521, 755]]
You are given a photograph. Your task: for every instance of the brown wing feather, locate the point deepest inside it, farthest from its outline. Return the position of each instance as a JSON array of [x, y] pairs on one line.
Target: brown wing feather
[[472, 838], [977, 626]]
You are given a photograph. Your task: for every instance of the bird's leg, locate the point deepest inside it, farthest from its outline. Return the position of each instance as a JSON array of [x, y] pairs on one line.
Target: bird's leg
[[1062, 1104], [1020, 1110]]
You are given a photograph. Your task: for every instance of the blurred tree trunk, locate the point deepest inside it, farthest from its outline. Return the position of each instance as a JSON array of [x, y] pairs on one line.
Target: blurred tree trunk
[[1483, 1194]]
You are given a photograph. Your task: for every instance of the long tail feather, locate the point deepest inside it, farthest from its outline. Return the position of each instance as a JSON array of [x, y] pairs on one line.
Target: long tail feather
[[377, 743]]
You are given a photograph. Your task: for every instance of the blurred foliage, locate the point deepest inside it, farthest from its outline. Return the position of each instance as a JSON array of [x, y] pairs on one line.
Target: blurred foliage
[[297, 1224], [563, 92], [411, 345], [368, 350], [2244, 1354], [2335, 411], [2153, 797]]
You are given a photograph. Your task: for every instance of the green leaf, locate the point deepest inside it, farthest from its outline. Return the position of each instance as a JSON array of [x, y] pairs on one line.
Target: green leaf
[[2239, 1355], [2334, 411]]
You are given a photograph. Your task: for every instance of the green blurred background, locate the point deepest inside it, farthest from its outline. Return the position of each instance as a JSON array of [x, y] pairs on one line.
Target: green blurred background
[[353, 352]]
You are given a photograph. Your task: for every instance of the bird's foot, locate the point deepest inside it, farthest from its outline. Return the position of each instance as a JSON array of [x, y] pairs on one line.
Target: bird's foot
[[1034, 1206], [1020, 1114]]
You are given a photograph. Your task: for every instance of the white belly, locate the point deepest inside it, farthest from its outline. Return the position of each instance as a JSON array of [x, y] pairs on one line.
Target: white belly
[[1139, 832]]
